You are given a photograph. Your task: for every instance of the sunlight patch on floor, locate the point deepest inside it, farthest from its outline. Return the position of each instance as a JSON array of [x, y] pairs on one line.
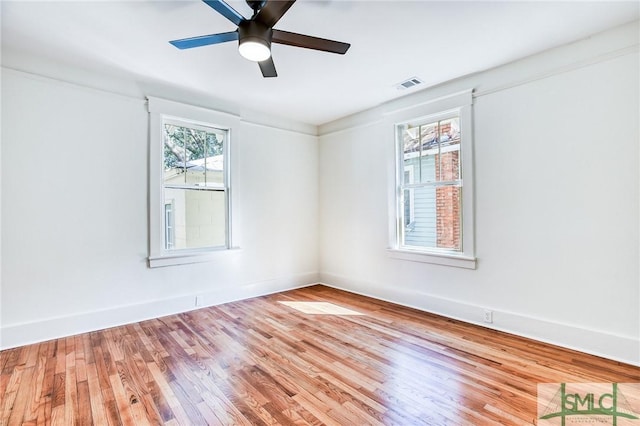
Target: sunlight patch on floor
[[320, 308]]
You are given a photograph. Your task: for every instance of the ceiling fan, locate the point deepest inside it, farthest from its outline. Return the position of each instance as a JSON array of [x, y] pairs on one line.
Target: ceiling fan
[[256, 34]]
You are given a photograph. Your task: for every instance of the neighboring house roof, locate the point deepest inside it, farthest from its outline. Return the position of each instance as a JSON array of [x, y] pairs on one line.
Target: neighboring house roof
[[450, 134], [214, 163]]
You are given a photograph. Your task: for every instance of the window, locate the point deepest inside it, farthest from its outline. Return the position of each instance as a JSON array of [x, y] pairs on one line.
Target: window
[[189, 187], [431, 185], [433, 190], [194, 186]]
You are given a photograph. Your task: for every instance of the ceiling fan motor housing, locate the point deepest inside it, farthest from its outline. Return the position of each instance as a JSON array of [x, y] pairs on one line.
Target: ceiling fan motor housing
[[254, 31], [256, 5]]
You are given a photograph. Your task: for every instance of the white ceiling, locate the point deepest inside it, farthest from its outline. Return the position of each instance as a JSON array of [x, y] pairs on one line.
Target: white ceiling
[[390, 42]]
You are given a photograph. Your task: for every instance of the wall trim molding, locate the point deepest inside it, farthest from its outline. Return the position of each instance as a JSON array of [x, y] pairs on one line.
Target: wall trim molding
[[15, 335], [358, 126], [71, 84], [277, 123], [607, 45], [629, 50], [620, 348], [254, 123]]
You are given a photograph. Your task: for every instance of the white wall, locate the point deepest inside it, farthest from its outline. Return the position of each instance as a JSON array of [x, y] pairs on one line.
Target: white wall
[[557, 194], [74, 214], [557, 191]]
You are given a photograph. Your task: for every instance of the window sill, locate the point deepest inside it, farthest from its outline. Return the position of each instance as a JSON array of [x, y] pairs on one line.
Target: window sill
[[457, 261], [187, 258]]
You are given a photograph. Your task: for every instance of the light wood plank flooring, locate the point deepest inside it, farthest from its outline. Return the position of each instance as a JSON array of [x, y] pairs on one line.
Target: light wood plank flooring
[[259, 361]]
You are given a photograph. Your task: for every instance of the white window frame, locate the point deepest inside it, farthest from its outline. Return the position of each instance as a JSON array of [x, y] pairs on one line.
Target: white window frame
[[461, 105], [161, 111]]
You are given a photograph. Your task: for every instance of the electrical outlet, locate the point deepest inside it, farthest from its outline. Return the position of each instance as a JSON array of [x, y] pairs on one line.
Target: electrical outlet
[[488, 316]]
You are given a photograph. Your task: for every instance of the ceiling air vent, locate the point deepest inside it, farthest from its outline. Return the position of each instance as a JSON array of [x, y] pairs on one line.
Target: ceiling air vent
[[409, 83]]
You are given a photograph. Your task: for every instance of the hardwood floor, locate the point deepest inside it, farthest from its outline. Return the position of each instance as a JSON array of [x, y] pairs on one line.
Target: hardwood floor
[[259, 361]]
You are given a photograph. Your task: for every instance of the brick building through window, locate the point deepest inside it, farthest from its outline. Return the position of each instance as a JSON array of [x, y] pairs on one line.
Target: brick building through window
[[431, 185]]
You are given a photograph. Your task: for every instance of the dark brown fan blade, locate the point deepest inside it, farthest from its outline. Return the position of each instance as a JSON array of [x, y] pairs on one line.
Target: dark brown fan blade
[[268, 68], [308, 42], [273, 11]]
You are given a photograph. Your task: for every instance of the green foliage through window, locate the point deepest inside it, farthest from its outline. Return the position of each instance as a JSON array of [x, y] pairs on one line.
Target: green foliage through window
[[184, 144]]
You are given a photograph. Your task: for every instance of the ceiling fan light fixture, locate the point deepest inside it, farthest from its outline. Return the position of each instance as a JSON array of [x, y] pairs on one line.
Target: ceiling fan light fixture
[[255, 50], [254, 41]]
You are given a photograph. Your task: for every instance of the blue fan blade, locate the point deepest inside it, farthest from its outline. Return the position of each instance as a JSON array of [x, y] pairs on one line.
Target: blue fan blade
[[205, 40], [225, 10]]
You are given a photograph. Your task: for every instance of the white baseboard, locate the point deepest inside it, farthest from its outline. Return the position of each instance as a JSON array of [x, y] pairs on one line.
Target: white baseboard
[[14, 335], [615, 347]]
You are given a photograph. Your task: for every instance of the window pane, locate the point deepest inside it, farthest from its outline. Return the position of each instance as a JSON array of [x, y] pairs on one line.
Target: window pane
[[174, 154], [215, 159], [432, 217], [205, 166], [449, 131], [195, 143], [449, 169], [429, 136], [408, 209], [428, 159], [428, 163], [448, 210], [199, 218], [422, 230], [411, 153], [448, 158], [193, 156]]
